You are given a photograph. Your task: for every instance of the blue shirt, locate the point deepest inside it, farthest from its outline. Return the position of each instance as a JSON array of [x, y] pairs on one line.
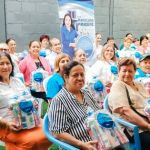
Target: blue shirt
[[54, 85], [68, 37], [141, 74]]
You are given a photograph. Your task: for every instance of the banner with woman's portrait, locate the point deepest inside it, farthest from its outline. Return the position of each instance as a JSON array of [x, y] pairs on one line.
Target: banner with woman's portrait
[[77, 26]]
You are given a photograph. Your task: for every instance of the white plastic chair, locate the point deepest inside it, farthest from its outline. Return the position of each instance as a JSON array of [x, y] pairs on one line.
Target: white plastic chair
[[45, 81]]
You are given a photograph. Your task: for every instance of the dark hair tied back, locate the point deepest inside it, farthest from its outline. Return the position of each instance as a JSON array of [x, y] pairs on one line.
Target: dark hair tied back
[[70, 65]]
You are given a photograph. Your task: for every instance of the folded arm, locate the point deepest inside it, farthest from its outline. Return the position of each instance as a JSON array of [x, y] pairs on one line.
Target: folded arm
[[128, 114]]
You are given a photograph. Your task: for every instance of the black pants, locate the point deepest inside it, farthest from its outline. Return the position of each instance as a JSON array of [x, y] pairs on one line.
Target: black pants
[[144, 138], [39, 95]]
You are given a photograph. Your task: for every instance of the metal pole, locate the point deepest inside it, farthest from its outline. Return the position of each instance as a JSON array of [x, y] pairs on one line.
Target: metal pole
[[111, 15], [5, 19]]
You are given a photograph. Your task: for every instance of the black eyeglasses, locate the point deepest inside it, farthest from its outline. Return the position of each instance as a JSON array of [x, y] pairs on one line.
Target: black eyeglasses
[[4, 49]]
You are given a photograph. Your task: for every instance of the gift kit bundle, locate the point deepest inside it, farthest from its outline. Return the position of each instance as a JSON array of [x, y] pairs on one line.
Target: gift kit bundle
[[114, 71], [98, 90], [102, 127], [37, 78], [24, 112]]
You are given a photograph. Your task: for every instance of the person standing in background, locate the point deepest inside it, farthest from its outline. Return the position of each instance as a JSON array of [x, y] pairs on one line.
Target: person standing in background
[[128, 35], [68, 35], [56, 81], [44, 41], [4, 47], [55, 47], [143, 72], [97, 48], [144, 46], [33, 62], [102, 67], [111, 41], [10, 47]]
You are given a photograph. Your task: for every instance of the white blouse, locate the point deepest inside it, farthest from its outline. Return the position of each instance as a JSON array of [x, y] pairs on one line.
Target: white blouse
[[102, 70], [8, 92]]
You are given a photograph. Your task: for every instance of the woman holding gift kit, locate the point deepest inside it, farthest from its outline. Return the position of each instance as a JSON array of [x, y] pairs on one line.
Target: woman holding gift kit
[[67, 112], [11, 133], [31, 63], [128, 99], [102, 67]]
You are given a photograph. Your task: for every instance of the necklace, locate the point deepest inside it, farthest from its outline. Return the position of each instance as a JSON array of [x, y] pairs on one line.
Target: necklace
[[79, 97]]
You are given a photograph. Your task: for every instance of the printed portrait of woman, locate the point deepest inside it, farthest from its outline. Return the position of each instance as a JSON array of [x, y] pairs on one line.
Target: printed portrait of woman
[[68, 35]]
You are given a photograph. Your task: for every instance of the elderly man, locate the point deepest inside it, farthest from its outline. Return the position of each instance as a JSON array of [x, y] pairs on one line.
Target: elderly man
[[4, 47], [143, 72], [55, 46]]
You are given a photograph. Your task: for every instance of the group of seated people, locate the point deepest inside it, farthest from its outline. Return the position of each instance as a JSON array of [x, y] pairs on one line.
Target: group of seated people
[[67, 92]]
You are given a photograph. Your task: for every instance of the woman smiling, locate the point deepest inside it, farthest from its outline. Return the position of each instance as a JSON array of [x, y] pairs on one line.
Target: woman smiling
[[67, 112], [11, 133], [128, 100]]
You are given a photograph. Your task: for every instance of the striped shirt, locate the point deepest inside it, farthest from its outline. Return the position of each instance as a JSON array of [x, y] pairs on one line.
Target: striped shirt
[[66, 114]]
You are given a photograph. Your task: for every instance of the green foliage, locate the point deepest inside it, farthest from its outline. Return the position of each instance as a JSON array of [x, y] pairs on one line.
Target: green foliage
[[2, 147]]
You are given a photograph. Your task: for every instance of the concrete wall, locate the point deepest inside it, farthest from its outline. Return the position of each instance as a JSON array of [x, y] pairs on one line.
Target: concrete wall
[[28, 19], [2, 21], [131, 16]]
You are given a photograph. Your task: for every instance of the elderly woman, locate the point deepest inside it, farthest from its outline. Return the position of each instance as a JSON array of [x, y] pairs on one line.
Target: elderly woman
[[128, 100], [12, 47], [56, 81], [80, 56], [67, 112], [10, 132]]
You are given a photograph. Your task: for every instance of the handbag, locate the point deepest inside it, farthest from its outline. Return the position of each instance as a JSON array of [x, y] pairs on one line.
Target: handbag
[[130, 103]]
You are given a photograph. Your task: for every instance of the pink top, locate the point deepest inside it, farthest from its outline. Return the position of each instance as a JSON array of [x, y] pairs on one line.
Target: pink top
[[27, 66]]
